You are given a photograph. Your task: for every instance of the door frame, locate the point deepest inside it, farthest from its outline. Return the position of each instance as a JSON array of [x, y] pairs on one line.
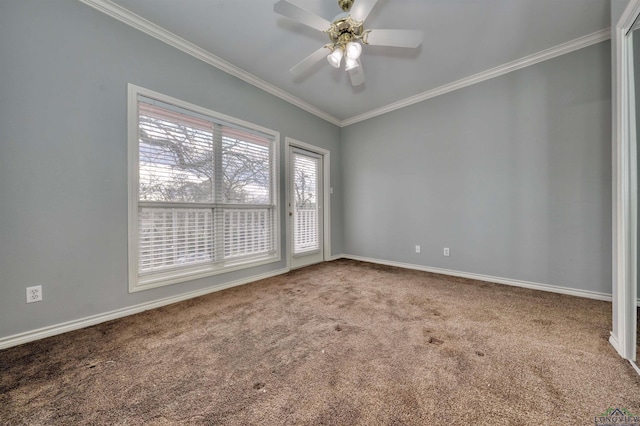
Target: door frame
[[326, 197], [625, 170]]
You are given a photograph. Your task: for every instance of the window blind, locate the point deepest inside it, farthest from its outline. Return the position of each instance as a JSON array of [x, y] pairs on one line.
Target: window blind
[[170, 238], [305, 217], [206, 190]]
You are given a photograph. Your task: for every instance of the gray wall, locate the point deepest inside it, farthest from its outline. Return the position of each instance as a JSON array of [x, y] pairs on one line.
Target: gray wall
[[617, 9], [64, 69], [512, 174]]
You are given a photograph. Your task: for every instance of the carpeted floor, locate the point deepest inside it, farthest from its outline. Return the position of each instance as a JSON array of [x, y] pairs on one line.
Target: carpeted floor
[[338, 343]]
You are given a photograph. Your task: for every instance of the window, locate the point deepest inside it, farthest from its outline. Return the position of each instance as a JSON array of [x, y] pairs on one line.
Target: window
[[202, 192], [306, 229]]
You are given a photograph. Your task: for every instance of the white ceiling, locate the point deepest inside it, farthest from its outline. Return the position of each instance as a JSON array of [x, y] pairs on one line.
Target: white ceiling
[[462, 38]]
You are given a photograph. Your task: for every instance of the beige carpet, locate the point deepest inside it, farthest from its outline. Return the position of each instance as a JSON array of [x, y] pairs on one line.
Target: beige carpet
[[339, 343]]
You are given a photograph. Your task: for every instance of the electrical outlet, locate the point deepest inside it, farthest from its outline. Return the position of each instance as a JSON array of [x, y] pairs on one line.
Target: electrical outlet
[[34, 294], [417, 249], [446, 251]]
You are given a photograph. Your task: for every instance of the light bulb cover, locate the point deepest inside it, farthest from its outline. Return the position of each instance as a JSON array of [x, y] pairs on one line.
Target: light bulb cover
[[354, 49], [350, 64], [335, 58]]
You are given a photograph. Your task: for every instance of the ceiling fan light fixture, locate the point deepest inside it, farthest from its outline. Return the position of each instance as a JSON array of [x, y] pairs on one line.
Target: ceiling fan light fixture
[[346, 36], [354, 49], [350, 64], [335, 58]]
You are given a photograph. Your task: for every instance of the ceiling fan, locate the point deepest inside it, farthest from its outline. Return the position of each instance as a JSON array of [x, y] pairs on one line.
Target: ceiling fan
[[347, 34]]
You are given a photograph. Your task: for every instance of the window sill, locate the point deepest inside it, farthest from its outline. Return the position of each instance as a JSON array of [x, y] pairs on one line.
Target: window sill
[[141, 283]]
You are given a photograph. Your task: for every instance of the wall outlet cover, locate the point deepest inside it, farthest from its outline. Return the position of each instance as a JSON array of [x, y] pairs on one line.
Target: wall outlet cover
[[34, 294]]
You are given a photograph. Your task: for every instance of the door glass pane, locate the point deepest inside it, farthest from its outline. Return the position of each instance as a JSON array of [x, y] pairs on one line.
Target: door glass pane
[[305, 200]]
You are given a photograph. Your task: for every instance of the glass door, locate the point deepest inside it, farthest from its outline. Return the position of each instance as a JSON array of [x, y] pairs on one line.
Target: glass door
[[305, 207]]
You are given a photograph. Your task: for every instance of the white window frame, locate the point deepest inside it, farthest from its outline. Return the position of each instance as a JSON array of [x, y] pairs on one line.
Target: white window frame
[[139, 282]]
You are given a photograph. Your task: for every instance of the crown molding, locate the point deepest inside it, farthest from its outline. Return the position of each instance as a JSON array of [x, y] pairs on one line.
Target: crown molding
[[126, 16], [561, 49]]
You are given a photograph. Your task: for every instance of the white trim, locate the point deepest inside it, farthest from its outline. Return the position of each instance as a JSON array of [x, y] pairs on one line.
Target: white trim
[[126, 16], [133, 164], [624, 171], [189, 274], [629, 16], [614, 342], [41, 333], [516, 283], [561, 49], [139, 283], [326, 190], [635, 366]]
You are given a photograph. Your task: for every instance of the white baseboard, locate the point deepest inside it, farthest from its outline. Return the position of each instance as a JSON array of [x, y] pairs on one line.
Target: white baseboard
[[41, 333], [616, 345], [614, 342], [517, 283]]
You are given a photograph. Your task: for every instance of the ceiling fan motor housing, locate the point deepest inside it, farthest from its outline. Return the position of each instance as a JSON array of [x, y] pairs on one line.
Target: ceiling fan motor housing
[[344, 30]]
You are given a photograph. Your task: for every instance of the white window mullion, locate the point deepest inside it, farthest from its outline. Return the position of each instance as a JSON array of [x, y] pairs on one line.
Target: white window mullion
[[252, 229], [174, 237], [196, 240], [218, 188]]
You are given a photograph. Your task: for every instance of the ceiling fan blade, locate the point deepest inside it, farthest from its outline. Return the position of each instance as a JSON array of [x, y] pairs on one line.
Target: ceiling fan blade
[[395, 38], [357, 75], [296, 13], [361, 9], [307, 63]]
